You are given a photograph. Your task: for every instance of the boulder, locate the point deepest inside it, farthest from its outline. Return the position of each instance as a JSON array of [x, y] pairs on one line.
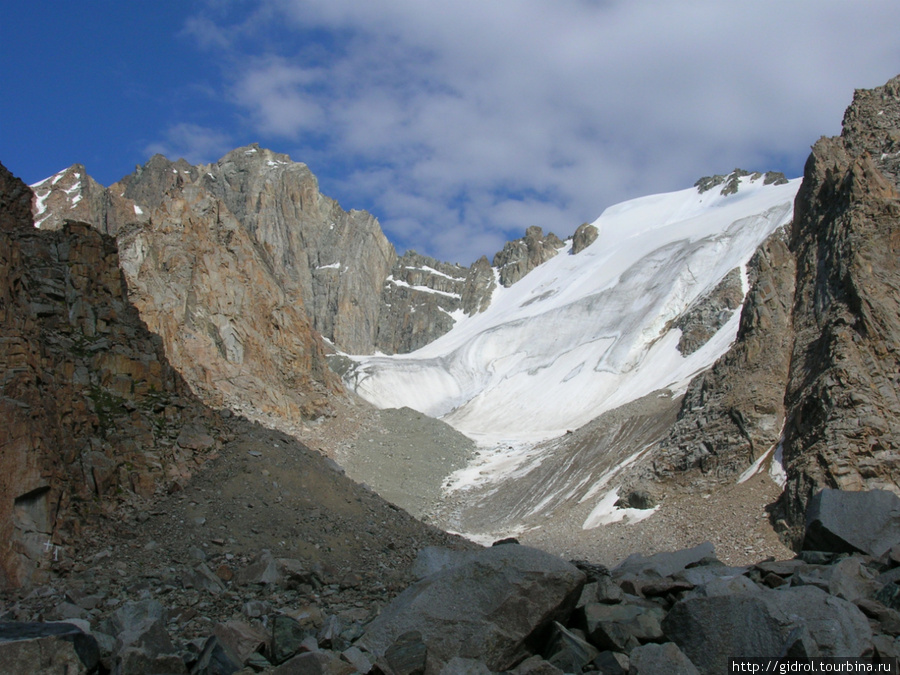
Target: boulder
[[314, 663], [795, 621], [656, 659], [835, 627], [712, 630], [142, 643], [288, 636], [263, 569], [241, 638], [568, 651], [27, 648], [408, 655], [663, 564], [217, 658], [853, 522], [486, 608], [622, 627]]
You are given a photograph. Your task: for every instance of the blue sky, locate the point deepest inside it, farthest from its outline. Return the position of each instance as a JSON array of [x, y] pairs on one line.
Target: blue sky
[[457, 123]]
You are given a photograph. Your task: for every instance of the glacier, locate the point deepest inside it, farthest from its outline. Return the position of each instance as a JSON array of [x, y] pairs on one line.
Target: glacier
[[584, 334]]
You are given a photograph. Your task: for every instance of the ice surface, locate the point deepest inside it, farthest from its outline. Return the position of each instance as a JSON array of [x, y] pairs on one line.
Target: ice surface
[[583, 334]]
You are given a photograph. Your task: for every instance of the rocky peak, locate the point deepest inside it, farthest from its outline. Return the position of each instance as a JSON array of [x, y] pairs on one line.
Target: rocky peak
[[871, 125], [521, 256], [149, 183], [584, 236], [72, 194], [731, 183]]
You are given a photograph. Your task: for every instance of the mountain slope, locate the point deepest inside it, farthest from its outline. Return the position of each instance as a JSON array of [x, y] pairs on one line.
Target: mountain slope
[[583, 334]]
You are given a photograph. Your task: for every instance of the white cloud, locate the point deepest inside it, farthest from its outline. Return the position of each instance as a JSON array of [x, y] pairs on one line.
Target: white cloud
[[467, 121]]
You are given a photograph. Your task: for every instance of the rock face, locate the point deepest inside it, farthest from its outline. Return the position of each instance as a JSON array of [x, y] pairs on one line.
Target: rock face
[[817, 351], [421, 295], [521, 256], [235, 330], [90, 407], [241, 265], [734, 412], [705, 317], [843, 427]]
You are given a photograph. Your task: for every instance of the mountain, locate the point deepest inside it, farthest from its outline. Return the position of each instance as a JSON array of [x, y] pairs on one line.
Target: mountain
[[705, 337], [584, 333], [96, 425], [681, 342], [243, 266]]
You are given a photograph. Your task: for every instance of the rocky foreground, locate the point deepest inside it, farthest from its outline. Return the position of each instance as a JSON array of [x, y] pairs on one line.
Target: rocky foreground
[[507, 608]]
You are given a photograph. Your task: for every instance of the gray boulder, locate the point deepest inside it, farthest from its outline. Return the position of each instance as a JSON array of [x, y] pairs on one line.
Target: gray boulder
[[664, 659], [568, 651], [27, 648], [485, 608], [663, 564], [622, 627], [835, 627], [711, 630], [851, 522], [790, 621], [142, 643], [216, 658]]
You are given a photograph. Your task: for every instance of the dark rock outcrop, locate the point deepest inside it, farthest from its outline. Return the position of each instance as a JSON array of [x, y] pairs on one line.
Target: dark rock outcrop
[[731, 182], [521, 256], [843, 426], [90, 406], [420, 297], [584, 236], [708, 314], [734, 411]]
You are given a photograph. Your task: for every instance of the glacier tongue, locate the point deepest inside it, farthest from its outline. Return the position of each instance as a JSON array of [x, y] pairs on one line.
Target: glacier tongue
[[583, 334]]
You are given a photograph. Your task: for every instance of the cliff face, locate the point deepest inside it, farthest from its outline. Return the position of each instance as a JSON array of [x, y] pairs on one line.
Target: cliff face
[[236, 332], [815, 365], [421, 295], [90, 409], [843, 426], [243, 265]]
